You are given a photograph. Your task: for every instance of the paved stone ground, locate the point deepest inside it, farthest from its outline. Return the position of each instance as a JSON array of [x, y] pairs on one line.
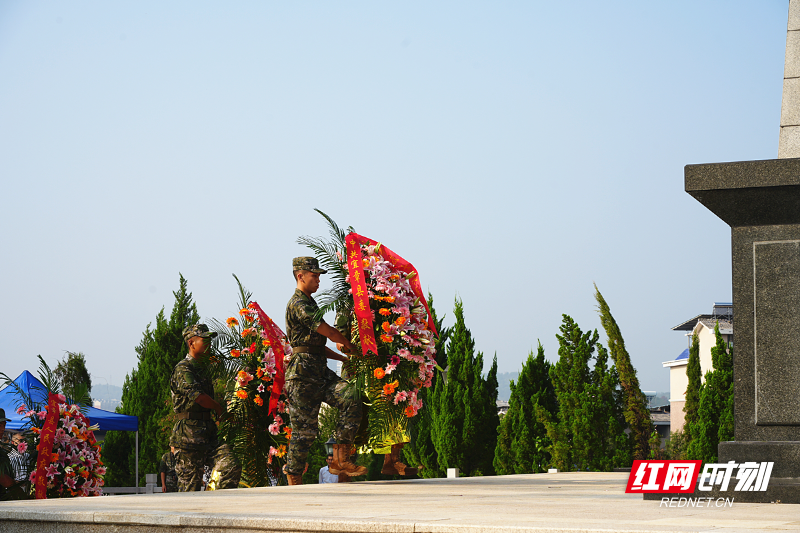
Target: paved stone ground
[[505, 504]]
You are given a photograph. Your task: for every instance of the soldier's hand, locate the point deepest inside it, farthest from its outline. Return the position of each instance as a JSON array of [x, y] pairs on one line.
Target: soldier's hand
[[351, 349], [342, 348]]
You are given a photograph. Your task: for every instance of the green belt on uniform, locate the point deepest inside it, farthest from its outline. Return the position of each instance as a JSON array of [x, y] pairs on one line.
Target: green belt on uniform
[[194, 415], [317, 350]]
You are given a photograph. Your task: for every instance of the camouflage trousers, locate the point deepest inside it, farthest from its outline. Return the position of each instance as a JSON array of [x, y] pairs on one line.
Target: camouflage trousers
[[305, 398], [190, 466]]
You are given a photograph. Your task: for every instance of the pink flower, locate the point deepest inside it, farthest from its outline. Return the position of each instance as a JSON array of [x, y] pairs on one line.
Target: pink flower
[[21, 409], [390, 368], [400, 397], [62, 398], [22, 447], [70, 482], [260, 388], [281, 407], [100, 470], [275, 427], [42, 415], [51, 470], [394, 361], [403, 352]]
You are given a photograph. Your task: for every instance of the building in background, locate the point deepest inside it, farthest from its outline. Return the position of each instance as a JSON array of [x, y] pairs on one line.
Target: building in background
[[703, 326]]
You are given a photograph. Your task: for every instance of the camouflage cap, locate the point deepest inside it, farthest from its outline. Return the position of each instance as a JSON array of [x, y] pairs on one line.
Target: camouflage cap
[[198, 330], [3, 416], [307, 263]]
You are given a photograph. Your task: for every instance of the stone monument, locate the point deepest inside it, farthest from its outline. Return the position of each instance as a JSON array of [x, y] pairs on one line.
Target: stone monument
[[760, 200]]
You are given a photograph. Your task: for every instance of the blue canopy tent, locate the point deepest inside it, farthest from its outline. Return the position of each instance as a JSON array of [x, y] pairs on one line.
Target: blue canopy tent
[[106, 420]]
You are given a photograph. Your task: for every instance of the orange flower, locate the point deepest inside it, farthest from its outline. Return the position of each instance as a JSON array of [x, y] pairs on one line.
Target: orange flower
[[365, 262], [387, 338], [85, 474], [288, 432], [232, 322], [244, 312], [410, 411], [247, 331], [400, 320], [379, 373], [389, 388], [258, 400], [384, 311], [242, 394], [386, 327], [259, 373], [265, 343], [235, 353], [54, 458], [281, 450]]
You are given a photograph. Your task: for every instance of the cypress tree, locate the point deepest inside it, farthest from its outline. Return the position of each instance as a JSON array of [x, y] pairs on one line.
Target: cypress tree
[[421, 449], [522, 439], [146, 391], [692, 406], [715, 413], [722, 357], [587, 432], [479, 458], [461, 411], [636, 413]]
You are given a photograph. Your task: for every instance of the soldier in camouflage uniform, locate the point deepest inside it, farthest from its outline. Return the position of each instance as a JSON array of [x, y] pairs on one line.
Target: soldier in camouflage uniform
[[166, 469], [194, 436], [309, 381]]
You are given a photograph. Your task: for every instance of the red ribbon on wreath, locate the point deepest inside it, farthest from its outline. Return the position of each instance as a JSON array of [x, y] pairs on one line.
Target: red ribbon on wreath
[[274, 336], [358, 285], [45, 446]]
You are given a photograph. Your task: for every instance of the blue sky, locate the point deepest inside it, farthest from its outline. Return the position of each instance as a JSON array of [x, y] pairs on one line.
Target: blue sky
[[515, 152]]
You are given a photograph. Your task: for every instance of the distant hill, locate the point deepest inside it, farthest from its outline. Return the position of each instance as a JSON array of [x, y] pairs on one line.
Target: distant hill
[[106, 392], [504, 389], [504, 385], [109, 396]]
